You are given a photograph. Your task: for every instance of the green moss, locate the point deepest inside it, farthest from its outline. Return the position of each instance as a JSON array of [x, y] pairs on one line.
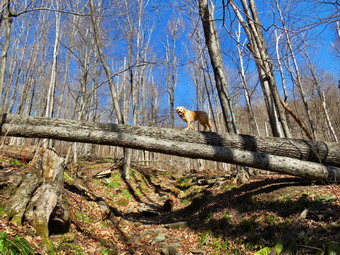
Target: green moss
[[123, 202], [2, 211]]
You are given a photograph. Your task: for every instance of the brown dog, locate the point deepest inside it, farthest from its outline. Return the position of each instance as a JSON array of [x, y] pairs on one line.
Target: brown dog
[[191, 116]]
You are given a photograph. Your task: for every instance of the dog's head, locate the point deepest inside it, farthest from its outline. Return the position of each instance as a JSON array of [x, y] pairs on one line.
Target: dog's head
[[180, 110]]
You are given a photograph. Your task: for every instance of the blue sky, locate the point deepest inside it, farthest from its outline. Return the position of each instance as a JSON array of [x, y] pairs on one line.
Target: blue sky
[[320, 40]]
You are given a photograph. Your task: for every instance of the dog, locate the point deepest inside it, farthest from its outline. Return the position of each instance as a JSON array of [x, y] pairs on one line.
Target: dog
[[191, 116]]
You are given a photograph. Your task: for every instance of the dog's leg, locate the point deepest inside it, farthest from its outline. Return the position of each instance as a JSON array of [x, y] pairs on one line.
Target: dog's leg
[[188, 125]]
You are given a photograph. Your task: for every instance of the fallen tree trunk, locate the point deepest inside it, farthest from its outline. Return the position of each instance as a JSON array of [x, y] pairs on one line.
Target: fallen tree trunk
[[24, 153], [193, 150], [316, 151]]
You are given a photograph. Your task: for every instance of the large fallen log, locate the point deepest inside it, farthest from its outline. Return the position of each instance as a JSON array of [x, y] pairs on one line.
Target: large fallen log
[[24, 153], [193, 150], [316, 151]]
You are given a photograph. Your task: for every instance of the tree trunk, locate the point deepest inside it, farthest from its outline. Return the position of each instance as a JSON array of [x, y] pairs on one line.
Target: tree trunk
[[38, 197], [114, 96], [212, 42], [5, 13], [296, 75], [205, 145], [257, 47], [24, 153], [252, 118], [316, 151]]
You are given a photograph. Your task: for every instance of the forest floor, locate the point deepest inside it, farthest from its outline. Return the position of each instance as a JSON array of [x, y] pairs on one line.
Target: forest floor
[[272, 214]]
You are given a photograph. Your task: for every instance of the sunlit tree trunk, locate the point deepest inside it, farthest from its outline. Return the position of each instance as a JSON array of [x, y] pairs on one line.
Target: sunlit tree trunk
[[257, 46], [242, 74], [61, 105], [212, 42], [114, 97], [7, 21], [53, 78], [297, 75]]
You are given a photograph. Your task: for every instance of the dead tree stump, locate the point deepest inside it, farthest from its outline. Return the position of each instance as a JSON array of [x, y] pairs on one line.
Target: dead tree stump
[[38, 198]]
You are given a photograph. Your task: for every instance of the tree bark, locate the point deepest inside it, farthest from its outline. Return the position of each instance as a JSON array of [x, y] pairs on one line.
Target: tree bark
[[205, 145], [316, 151], [8, 19], [114, 96], [24, 153], [257, 47], [38, 197], [213, 45]]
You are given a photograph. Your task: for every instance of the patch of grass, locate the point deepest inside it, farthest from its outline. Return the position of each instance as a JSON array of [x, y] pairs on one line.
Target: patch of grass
[[220, 246], [125, 193], [277, 249], [205, 236], [105, 160], [184, 183], [227, 216], [186, 201], [285, 197], [228, 187], [114, 181], [108, 252], [271, 219], [83, 217], [16, 162], [133, 172], [67, 177], [71, 248], [326, 198]]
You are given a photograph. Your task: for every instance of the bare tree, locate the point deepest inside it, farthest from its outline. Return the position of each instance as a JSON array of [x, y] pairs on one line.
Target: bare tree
[[6, 18], [174, 29], [211, 38], [246, 92], [249, 19], [296, 72], [114, 97]]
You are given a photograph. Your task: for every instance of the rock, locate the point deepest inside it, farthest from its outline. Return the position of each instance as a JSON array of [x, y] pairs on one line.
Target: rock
[[197, 251], [176, 225], [169, 250], [202, 182], [103, 174], [304, 213], [159, 238]]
